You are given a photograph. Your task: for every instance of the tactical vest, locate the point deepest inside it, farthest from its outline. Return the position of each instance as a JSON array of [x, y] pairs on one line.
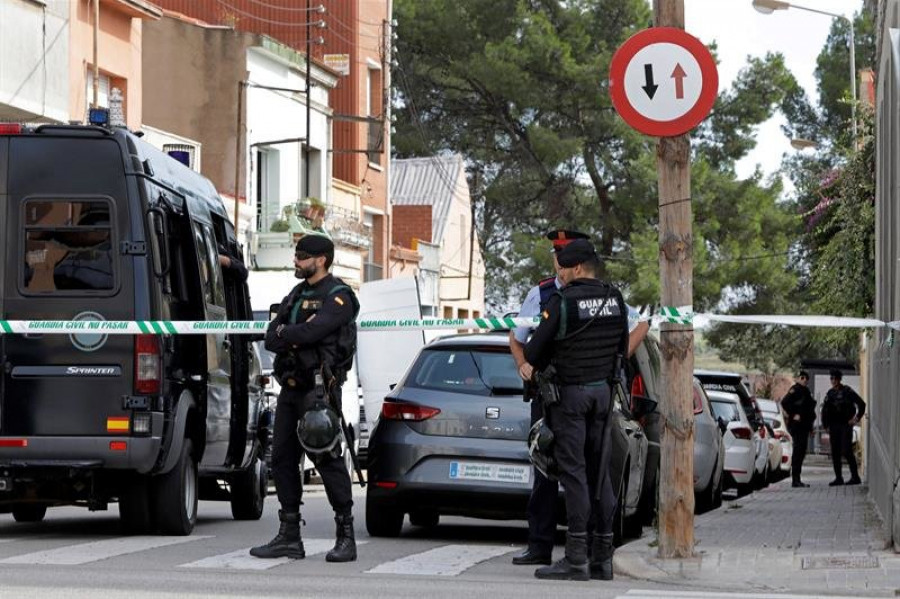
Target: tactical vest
[[337, 348], [593, 322]]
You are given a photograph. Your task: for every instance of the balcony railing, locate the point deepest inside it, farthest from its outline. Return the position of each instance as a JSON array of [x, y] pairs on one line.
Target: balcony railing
[[345, 227]]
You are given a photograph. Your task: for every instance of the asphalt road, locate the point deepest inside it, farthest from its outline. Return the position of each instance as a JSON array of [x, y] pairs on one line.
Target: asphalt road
[[76, 554]]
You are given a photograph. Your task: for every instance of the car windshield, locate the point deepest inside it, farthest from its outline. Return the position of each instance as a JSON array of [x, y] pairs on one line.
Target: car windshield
[[478, 371], [726, 410]]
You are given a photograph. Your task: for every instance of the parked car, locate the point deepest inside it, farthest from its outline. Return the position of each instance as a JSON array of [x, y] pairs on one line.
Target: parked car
[[773, 416], [733, 383], [709, 453], [644, 372], [737, 438], [451, 440]]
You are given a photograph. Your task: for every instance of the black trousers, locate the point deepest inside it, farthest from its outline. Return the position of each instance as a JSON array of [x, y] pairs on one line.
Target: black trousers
[[542, 502], [286, 454], [841, 436], [800, 434], [577, 422]]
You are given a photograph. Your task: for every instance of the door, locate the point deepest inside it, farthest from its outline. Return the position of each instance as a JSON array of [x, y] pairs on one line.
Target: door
[[218, 351], [61, 262]]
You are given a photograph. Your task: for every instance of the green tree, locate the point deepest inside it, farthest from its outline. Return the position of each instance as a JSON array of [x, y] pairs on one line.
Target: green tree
[[519, 88]]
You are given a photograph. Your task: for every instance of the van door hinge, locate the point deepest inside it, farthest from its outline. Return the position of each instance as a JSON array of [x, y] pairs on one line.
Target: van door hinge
[[133, 248]]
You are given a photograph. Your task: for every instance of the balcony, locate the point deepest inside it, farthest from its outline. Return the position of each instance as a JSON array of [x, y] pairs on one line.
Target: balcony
[[344, 227], [373, 272]]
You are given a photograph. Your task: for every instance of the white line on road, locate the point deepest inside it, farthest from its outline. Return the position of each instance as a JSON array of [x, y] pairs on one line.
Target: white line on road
[[85, 553], [638, 594], [242, 560], [449, 560]]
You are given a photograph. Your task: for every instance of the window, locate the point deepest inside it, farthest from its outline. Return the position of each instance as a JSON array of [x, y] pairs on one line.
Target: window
[[726, 410], [102, 92], [184, 153], [68, 246], [374, 110], [473, 371], [213, 291]]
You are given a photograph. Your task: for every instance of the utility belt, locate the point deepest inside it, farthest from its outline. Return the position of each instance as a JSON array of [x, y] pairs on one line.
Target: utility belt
[[548, 385], [294, 370]]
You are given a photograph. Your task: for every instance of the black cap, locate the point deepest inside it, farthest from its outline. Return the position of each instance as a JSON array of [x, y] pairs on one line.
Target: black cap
[[803, 374], [562, 237], [576, 252], [836, 374], [315, 245]]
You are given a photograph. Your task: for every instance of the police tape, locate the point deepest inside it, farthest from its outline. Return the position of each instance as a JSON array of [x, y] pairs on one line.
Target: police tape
[[682, 315]]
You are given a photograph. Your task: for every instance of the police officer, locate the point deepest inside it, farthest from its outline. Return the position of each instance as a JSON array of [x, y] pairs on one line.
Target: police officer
[[583, 334], [304, 336], [800, 408], [841, 411], [542, 501]]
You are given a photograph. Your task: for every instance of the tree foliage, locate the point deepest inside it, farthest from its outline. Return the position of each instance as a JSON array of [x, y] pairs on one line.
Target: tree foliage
[[519, 88]]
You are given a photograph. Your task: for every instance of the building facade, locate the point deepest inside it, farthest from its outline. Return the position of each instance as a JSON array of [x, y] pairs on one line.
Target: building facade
[[883, 441], [432, 212], [355, 39]]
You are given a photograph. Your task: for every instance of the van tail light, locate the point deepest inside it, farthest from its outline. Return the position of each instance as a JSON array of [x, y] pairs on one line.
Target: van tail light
[[637, 387], [147, 365], [10, 128], [741, 432], [393, 410]]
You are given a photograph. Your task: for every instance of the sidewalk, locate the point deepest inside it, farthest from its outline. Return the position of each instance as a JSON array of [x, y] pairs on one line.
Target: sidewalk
[[821, 540]]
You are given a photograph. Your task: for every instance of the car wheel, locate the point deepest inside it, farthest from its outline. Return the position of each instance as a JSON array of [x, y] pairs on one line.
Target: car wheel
[[744, 489], [248, 491], [175, 496], [424, 518], [135, 514], [619, 517], [717, 494], [382, 520], [29, 512]]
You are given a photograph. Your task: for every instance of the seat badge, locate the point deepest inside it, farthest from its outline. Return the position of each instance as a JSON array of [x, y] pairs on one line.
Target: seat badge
[[84, 340], [492, 413]]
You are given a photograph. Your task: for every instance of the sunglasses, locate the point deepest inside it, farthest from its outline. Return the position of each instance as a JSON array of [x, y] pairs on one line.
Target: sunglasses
[[303, 256]]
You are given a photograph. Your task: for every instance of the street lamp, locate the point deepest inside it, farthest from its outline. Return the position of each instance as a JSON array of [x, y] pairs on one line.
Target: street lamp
[[767, 7]]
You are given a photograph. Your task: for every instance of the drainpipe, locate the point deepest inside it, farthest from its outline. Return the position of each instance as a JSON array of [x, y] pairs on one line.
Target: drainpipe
[[96, 45]]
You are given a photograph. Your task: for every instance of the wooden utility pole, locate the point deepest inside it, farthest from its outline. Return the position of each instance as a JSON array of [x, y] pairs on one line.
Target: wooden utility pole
[[676, 485]]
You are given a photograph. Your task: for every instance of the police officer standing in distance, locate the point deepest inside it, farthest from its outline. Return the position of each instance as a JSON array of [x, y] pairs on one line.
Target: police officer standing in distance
[[583, 334], [542, 501], [841, 411], [800, 408], [306, 336]]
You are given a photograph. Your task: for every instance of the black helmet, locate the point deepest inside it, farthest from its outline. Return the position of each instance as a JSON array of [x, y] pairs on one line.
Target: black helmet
[[540, 449], [319, 430]]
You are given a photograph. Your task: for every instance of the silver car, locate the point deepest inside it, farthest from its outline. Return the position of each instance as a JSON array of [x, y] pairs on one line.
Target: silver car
[[451, 440], [709, 453]]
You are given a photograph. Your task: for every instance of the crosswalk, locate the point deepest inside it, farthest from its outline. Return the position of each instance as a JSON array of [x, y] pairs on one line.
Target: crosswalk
[[445, 560]]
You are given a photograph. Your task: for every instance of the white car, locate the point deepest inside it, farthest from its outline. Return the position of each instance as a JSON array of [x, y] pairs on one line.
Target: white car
[[775, 418], [738, 438]]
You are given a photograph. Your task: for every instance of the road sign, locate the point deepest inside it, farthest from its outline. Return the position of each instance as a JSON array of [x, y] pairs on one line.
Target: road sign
[[663, 81]]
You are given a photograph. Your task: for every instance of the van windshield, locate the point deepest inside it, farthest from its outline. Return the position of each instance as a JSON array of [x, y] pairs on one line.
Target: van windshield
[[68, 246]]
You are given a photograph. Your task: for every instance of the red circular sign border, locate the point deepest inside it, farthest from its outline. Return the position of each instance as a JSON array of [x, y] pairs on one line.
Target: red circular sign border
[[691, 118]]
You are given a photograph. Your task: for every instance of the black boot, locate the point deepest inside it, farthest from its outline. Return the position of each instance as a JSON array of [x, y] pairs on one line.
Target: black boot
[[601, 557], [287, 542], [572, 567], [345, 543], [532, 556]]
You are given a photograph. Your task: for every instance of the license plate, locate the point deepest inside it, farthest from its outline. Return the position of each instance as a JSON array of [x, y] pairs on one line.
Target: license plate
[[503, 473]]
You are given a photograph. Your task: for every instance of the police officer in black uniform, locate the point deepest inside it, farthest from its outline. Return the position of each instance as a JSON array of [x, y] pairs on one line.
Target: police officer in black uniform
[[800, 408], [583, 334], [305, 337], [841, 411], [542, 502]]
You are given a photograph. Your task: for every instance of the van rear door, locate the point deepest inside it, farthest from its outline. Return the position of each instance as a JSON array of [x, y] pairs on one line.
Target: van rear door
[[65, 212]]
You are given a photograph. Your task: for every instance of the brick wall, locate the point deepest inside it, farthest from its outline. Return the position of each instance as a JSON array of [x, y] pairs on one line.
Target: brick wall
[[411, 222]]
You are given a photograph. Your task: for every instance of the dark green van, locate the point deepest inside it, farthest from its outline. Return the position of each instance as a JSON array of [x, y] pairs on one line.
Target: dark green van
[[99, 225]]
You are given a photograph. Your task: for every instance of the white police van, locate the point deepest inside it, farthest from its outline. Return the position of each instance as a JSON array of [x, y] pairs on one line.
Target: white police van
[[100, 226]]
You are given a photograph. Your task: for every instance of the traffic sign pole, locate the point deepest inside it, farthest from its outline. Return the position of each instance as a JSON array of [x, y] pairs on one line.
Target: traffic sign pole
[[676, 485]]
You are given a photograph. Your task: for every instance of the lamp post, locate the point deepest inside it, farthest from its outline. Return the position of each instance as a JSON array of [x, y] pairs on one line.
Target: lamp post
[[767, 7]]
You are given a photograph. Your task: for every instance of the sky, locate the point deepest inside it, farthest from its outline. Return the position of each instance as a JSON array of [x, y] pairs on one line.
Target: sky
[[739, 30]]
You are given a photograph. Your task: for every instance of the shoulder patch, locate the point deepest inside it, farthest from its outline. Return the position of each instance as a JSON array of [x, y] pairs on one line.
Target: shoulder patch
[[338, 299]]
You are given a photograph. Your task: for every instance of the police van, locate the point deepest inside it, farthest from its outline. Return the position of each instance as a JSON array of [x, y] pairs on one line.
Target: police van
[[100, 226]]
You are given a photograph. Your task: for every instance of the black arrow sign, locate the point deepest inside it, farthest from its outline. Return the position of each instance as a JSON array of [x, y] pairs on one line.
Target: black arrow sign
[[649, 87]]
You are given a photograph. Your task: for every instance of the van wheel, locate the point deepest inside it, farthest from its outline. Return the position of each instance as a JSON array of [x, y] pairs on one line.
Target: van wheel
[[29, 512], [175, 496], [134, 506], [248, 492], [383, 521]]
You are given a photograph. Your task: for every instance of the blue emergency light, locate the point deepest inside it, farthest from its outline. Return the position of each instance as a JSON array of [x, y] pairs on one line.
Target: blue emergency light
[[98, 116]]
